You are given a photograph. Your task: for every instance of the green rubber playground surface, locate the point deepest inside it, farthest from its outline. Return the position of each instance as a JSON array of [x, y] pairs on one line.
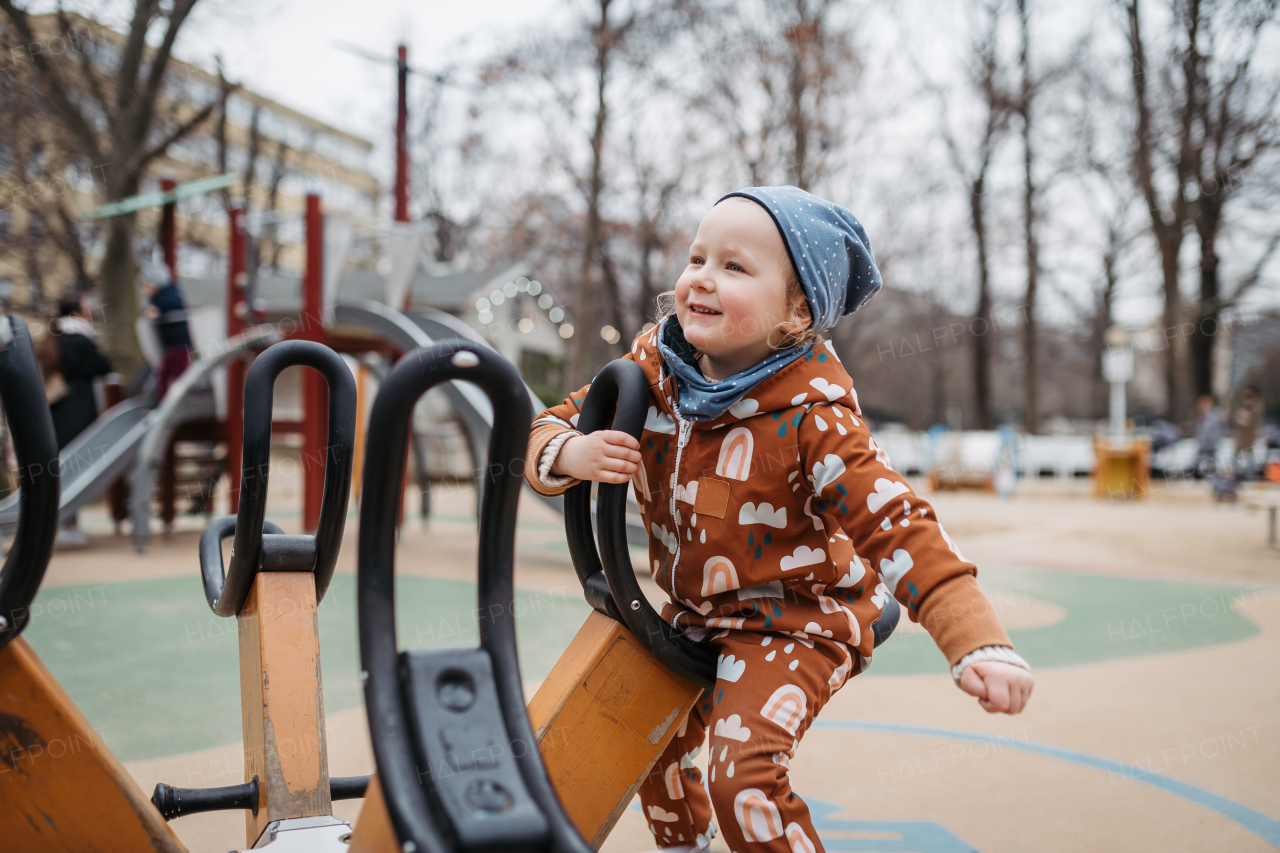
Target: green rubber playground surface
[[158, 674]]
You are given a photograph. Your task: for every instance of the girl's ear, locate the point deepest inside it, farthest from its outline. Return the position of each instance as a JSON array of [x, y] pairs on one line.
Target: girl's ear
[[801, 319]]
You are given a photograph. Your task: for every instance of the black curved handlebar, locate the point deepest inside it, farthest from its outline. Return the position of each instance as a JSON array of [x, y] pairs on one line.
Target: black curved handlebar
[[36, 447], [227, 594], [431, 712], [622, 389], [212, 568]]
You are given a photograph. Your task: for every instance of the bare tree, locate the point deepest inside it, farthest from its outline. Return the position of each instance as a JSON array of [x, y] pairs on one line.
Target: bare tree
[[656, 193], [110, 104], [1165, 144], [778, 77], [587, 69], [986, 76], [39, 183], [1025, 106], [1237, 128]]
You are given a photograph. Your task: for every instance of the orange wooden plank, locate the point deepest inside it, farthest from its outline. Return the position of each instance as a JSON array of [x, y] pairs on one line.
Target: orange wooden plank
[[374, 832], [282, 701], [602, 717], [61, 788]]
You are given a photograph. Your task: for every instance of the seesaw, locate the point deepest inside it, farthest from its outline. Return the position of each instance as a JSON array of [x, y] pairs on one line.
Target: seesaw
[[453, 742], [66, 790], [462, 763]]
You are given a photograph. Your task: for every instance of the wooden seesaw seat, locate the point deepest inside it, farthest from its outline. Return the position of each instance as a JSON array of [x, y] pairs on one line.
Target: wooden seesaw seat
[[64, 789], [61, 789]]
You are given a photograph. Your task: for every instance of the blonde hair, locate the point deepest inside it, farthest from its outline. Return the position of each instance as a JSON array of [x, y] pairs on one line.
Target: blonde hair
[[796, 303]]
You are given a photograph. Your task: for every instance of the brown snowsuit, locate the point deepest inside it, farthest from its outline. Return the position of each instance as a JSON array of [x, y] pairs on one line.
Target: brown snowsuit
[[776, 529]]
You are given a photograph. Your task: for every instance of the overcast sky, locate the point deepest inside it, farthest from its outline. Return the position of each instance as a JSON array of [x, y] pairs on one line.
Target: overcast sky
[[285, 48]]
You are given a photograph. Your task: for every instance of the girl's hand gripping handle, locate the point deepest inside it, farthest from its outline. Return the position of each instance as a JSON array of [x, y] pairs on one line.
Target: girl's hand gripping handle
[[605, 456]]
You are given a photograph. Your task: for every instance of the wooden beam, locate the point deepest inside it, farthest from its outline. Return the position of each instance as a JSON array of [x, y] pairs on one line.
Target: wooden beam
[[602, 718], [282, 700], [61, 788], [374, 832]]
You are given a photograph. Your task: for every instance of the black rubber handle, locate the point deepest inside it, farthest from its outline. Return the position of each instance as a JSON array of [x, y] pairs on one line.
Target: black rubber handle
[[212, 569], [36, 448], [175, 802], [259, 386], [579, 532], [389, 723], [883, 626], [622, 389]]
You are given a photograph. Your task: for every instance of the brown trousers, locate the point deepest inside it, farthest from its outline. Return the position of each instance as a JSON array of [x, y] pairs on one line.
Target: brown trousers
[[769, 688]]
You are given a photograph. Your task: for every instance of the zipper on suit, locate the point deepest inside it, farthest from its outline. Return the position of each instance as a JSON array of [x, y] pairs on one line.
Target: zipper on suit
[[681, 441]]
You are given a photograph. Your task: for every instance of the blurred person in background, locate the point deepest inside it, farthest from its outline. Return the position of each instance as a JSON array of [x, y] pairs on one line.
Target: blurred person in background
[[73, 406], [167, 310], [1211, 426], [1246, 420]]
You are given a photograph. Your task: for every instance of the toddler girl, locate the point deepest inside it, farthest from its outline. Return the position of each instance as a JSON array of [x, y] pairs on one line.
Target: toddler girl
[[776, 525]]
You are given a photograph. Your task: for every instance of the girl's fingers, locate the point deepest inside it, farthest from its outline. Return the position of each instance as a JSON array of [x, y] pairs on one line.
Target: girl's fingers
[[612, 463], [972, 683], [998, 693], [618, 438], [616, 452]]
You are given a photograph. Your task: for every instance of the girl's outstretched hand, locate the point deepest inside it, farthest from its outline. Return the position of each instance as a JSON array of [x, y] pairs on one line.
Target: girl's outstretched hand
[[605, 456], [1000, 687]]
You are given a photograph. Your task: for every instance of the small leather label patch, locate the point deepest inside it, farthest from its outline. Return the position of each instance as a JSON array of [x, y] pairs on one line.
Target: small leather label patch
[[713, 497]]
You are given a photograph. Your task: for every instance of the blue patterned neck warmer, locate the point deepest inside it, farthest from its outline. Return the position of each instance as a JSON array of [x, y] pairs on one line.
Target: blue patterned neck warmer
[[701, 399]]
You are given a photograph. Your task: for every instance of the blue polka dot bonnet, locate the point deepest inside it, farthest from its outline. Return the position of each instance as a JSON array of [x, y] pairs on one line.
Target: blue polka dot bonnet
[[828, 247]]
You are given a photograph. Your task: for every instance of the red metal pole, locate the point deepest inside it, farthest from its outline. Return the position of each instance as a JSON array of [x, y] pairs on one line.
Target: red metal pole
[[169, 230], [237, 311], [402, 132], [315, 394], [117, 493]]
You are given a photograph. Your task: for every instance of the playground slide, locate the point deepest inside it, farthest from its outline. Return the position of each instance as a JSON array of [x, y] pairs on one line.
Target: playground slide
[[405, 332], [99, 455], [92, 461], [472, 406], [187, 399]]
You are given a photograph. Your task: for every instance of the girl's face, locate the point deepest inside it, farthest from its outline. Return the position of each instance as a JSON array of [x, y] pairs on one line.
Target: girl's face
[[732, 298]]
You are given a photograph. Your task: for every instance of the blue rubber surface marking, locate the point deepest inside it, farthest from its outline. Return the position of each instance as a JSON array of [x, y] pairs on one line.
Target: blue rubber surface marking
[[888, 836], [1251, 819], [885, 836]]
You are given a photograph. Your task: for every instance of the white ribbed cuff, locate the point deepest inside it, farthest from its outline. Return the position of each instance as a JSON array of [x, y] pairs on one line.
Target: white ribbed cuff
[[548, 458], [1003, 654]]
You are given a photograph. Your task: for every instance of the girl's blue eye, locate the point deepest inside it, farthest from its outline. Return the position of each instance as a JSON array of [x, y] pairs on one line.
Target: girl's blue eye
[[696, 261], [735, 268]]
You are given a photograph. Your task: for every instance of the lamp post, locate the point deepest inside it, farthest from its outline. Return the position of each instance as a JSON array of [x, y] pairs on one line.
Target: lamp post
[[1117, 369]]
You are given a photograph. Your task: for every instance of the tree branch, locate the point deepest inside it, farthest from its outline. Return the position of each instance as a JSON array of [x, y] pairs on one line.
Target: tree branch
[[1254, 276], [177, 133], [160, 59], [76, 121]]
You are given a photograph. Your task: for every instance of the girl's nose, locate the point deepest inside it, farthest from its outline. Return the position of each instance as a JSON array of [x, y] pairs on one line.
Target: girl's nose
[[703, 281]]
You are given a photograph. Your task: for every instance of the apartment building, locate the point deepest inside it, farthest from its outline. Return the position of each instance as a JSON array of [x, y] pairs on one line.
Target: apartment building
[[276, 154]]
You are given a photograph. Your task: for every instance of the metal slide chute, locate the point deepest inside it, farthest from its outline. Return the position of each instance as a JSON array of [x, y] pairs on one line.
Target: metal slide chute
[[428, 327], [175, 410]]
